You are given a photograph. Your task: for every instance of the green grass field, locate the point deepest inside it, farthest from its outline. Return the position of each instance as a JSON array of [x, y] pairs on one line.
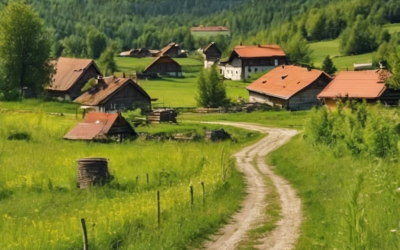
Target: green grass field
[[331, 48], [392, 28], [41, 207]]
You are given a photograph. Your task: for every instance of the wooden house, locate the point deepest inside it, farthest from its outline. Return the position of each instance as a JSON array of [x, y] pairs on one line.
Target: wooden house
[[212, 54], [164, 65], [209, 31], [359, 85], [172, 50], [138, 53], [101, 126], [71, 76], [288, 86], [247, 60], [112, 93]]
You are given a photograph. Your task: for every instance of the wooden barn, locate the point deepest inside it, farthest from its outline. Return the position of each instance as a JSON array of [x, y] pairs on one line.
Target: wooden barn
[[359, 85], [288, 86], [172, 50], [100, 127], [138, 53], [164, 65], [112, 93], [247, 60], [71, 76], [212, 55]]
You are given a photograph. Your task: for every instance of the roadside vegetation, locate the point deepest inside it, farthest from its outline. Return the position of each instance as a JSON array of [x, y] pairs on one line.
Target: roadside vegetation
[[41, 206], [345, 166]]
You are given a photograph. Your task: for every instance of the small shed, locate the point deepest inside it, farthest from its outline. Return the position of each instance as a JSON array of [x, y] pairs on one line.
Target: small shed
[[212, 54], [164, 65], [172, 50], [99, 126], [71, 76], [112, 94], [162, 115]]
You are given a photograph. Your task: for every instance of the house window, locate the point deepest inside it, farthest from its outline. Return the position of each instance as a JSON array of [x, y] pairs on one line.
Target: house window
[[236, 72], [276, 62], [249, 69], [220, 71], [255, 70]]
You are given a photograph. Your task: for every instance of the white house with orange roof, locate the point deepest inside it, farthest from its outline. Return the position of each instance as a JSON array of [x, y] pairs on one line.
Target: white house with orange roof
[[247, 60]]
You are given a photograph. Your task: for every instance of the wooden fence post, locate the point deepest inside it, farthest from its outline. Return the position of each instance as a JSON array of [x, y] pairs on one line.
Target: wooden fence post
[[204, 193], [191, 196], [158, 209], [84, 234]]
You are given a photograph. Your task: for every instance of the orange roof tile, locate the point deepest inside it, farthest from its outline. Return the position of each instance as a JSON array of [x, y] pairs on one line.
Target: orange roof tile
[[285, 81], [209, 28], [259, 51], [368, 84], [98, 95], [69, 71]]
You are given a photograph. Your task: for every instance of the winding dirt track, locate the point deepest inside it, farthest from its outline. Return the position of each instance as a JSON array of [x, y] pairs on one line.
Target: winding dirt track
[[285, 235]]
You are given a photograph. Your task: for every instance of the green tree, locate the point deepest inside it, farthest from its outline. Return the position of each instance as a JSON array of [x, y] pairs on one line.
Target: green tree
[[107, 62], [211, 89], [297, 50], [96, 43], [24, 50], [328, 66]]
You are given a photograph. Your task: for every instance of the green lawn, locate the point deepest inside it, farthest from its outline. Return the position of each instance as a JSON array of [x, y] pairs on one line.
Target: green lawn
[[331, 48], [181, 92], [392, 28], [128, 64]]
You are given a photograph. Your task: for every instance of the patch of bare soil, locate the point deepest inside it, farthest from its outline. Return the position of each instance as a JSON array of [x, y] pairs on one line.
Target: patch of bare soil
[[287, 232]]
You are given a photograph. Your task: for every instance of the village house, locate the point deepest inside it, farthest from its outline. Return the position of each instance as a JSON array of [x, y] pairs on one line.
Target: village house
[[100, 127], [71, 76], [212, 54], [172, 50], [210, 31], [112, 93], [289, 86], [358, 85], [164, 65], [247, 60], [138, 53]]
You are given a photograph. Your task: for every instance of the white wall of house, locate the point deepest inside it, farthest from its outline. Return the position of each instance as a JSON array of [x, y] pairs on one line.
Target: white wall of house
[[232, 71], [208, 64], [249, 70]]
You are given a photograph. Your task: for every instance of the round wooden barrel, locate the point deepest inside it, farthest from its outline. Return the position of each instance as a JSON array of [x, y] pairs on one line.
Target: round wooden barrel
[[92, 172]]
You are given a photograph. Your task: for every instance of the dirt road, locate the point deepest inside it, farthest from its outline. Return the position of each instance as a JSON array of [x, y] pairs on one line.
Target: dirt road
[[285, 235]]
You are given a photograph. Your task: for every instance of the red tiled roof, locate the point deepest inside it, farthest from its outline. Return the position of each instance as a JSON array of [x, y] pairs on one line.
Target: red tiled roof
[[94, 126], [209, 28], [284, 82], [161, 59], [69, 71], [93, 98], [368, 84], [259, 51]]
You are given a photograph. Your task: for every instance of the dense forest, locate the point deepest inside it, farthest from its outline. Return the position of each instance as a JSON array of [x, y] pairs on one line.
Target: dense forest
[[85, 28]]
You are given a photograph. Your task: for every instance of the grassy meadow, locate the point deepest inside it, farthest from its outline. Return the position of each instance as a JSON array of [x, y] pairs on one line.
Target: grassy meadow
[[41, 206], [347, 174], [331, 48]]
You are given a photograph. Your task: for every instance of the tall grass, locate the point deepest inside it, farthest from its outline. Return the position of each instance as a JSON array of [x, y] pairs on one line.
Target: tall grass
[[350, 197], [40, 206]]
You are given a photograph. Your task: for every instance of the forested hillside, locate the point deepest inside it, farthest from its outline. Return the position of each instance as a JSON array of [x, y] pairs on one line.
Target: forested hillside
[[78, 25]]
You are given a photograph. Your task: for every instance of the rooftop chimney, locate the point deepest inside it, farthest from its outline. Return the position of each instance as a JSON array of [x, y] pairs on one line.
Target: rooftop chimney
[[383, 64]]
